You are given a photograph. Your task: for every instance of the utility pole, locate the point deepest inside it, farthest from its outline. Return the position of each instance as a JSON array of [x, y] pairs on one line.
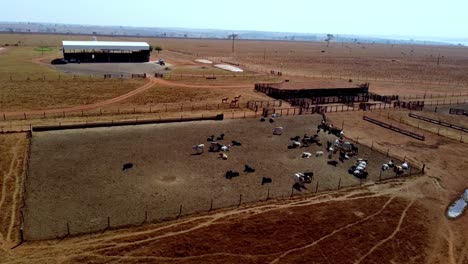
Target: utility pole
[[233, 36]]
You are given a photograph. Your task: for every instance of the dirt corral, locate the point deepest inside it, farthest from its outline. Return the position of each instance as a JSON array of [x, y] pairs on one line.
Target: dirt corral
[[76, 176]]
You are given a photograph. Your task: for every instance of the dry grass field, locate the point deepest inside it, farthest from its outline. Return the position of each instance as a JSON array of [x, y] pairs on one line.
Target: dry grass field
[[46, 88], [39, 95], [401, 221], [166, 174]]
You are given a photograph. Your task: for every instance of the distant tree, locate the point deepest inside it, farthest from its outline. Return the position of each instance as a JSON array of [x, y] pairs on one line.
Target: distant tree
[[185, 35], [158, 49], [329, 38], [151, 48]]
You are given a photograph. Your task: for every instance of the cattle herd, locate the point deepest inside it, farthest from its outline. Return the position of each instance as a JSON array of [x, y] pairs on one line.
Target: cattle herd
[[344, 150]]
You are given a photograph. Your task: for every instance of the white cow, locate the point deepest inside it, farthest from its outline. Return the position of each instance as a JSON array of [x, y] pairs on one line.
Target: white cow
[[225, 148], [385, 167], [306, 155], [319, 153], [299, 178], [199, 148], [278, 131], [296, 144], [405, 166]]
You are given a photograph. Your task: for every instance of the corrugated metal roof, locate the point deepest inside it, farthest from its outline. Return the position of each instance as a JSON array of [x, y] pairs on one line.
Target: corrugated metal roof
[[104, 45]]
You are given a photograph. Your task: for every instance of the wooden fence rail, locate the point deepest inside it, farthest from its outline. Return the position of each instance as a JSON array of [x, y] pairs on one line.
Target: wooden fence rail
[[437, 122], [394, 128]]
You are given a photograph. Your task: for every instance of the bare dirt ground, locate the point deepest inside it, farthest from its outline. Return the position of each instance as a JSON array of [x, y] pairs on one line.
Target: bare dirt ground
[[400, 116], [446, 168], [165, 174], [248, 237], [13, 150]]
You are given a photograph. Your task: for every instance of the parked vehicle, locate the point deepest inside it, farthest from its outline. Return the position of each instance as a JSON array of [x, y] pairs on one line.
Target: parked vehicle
[[58, 61]]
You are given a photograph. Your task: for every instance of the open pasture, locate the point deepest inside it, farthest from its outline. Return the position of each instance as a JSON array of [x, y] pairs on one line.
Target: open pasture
[[417, 63], [76, 177]]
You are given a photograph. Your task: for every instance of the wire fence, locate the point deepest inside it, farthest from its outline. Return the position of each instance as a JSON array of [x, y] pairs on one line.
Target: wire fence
[[123, 110], [206, 205], [431, 128]]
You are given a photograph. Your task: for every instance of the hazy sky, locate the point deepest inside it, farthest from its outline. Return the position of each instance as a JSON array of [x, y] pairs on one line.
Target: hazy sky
[[443, 18]]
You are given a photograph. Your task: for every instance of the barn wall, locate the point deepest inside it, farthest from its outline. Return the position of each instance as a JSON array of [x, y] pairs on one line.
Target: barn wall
[[316, 96], [84, 57]]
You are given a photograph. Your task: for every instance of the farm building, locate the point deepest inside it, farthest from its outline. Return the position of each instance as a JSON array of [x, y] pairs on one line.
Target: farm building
[[320, 92], [106, 51]]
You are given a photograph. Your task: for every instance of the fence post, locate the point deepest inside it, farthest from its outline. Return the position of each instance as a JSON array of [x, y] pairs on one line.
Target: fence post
[[388, 150], [268, 194], [240, 200], [146, 218], [339, 183], [180, 212], [211, 205], [380, 176], [316, 187]]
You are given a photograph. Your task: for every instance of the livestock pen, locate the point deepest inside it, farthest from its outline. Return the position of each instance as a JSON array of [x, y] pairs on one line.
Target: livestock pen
[[76, 183]]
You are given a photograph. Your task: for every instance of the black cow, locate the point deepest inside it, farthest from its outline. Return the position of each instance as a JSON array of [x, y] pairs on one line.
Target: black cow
[[266, 180], [332, 162], [230, 174], [236, 143], [262, 119], [221, 137], [210, 138], [296, 138], [249, 169], [354, 149], [127, 166], [298, 186], [272, 120]]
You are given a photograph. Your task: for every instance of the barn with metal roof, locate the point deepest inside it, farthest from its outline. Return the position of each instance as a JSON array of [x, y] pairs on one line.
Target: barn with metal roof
[[105, 51]]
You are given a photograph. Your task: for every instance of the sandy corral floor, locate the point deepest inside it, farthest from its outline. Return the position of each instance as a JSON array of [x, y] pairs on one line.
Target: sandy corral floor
[[76, 176]]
